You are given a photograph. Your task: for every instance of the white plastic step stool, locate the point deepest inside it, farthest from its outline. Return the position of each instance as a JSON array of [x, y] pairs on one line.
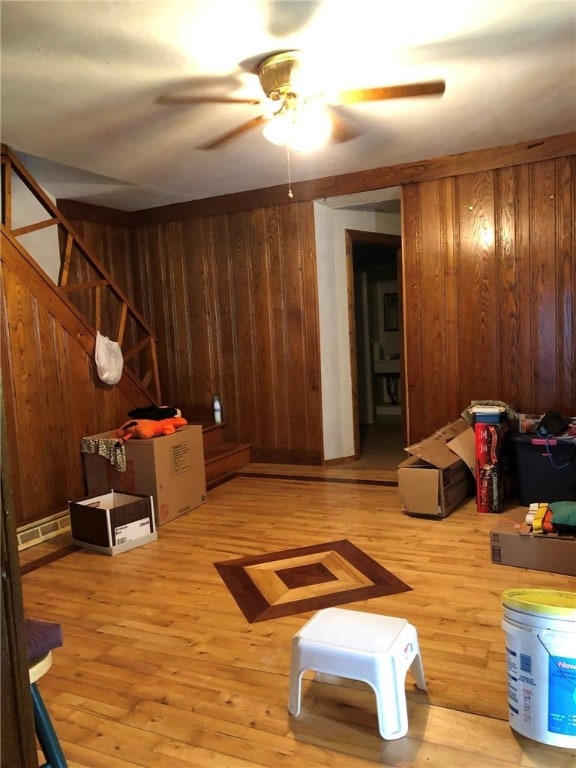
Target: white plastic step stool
[[377, 650]]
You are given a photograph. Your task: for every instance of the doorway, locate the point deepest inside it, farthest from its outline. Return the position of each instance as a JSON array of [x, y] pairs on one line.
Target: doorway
[[374, 272]]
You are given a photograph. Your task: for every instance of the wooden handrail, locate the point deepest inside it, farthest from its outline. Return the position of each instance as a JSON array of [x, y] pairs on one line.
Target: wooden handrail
[[101, 286]]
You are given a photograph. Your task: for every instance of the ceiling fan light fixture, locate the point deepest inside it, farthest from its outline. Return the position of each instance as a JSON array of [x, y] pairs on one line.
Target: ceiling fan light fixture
[[312, 128], [303, 128], [277, 129]]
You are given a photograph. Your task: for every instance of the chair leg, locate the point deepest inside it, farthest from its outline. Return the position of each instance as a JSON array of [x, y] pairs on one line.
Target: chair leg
[[45, 732]]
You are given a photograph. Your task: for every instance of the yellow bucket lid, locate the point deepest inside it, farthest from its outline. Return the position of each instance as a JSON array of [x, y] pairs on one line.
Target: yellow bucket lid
[[541, 601]]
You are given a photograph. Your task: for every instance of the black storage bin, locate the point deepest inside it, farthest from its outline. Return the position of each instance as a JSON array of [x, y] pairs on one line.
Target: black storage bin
[[545, 470]]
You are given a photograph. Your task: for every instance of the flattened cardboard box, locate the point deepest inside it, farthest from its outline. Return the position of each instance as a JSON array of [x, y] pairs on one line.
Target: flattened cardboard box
[[437, 477], [168, 468], [555, 554], [112, 523]]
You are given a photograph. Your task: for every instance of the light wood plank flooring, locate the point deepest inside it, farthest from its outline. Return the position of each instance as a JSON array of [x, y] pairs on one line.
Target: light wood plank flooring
[[160, 668]]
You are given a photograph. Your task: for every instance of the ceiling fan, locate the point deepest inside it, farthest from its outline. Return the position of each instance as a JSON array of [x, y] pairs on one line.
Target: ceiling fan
[[291, 113]]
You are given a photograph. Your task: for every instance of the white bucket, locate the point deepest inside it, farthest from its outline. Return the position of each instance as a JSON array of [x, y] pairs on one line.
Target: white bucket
[[540, 626]]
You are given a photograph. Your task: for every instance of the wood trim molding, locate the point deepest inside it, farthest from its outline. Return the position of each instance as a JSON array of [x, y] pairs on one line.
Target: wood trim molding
[[333, 186], [75, 209]]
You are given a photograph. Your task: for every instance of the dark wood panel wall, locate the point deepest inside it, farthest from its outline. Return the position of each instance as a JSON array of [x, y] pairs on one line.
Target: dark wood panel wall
[[489, 282], [53, 396], [488, 241], [234, 299]]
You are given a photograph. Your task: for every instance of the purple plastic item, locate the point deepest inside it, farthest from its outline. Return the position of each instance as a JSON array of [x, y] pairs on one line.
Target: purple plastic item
[[41, 637]]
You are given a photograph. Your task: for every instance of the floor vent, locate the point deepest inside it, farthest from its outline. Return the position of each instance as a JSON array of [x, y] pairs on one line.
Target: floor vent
[[43, 530]]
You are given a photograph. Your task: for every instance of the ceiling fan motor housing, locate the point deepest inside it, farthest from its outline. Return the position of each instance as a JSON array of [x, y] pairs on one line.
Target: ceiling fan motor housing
[[275, 73]]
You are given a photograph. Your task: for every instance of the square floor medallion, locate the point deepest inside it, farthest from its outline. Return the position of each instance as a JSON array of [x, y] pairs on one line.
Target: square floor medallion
[[305, 579]]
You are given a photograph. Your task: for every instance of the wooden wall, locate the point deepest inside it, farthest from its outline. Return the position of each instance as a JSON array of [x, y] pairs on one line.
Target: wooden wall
[[489, 284], [233, 301], [52, 394], [233, 297], [489, 276]]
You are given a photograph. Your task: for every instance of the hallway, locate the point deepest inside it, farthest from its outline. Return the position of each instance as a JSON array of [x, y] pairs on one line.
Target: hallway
[[381, 444]]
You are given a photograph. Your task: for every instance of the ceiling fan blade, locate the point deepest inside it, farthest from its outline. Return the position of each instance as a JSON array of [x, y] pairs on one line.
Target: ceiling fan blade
[[183, 99], [234, 133], [434, 87], [342, 130]]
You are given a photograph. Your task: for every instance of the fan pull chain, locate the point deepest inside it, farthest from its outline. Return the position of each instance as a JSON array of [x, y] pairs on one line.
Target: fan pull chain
[[290, 195]]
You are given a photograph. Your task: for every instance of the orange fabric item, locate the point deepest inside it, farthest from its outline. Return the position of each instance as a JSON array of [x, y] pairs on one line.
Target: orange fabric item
[[144, 429]]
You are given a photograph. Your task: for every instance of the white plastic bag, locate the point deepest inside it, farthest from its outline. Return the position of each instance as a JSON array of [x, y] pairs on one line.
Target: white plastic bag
[[109, 360]]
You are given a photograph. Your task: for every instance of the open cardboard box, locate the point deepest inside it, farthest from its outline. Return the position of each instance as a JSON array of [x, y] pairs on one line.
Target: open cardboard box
[[510, 545], [112, 522], [439, 474]]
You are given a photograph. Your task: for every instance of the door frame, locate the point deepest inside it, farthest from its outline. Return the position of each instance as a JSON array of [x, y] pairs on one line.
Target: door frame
[[359, 236]]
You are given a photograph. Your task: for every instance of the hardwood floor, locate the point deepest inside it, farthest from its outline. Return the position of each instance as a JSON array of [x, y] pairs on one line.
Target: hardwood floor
[[160, 667]]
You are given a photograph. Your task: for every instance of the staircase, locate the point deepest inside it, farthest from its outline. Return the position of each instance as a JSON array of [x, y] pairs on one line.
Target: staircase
[[222, 458]]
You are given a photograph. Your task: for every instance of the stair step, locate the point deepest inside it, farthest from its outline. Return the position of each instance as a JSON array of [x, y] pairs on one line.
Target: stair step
[[213, 435], [225, 458]]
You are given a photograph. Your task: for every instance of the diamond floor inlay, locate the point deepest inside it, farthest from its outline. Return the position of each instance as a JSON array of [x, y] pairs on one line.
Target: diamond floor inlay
[[292, 581]]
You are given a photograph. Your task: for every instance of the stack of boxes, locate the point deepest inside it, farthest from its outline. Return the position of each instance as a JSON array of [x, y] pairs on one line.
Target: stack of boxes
[[164, 478]]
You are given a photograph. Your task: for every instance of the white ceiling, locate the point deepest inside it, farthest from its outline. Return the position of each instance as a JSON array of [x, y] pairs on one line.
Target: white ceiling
[[79, 82]]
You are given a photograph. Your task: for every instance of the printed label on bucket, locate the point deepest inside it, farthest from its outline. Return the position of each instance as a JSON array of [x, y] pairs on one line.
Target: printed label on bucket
[[522, 686], [562, 695]]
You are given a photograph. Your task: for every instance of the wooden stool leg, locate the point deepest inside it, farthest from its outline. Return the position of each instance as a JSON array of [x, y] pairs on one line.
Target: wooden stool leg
[[45, 732]]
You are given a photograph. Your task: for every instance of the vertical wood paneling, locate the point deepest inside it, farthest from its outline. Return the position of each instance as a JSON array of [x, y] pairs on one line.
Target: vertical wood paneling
[[295, 326], [241, 291], [544, 298], [263, 332], [177, 305], [51, 409], [566, 281], [412, 304], [451, 297], [431, 288], [488, 281], [311, 325], [224, 343], [241, 282], [52, 393], [522, 215], [478, 288], [28, 399], [509, 256], [200, 312], [508, 278], [279, 350]]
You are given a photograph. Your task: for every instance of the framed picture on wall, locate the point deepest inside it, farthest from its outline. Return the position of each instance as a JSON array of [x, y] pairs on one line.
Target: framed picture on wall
[[391, 312]]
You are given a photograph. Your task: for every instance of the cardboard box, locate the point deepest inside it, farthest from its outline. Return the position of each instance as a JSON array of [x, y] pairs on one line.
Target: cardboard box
[[435, 480], [493, 465], [552, 553], [168, 468], [112, 523]]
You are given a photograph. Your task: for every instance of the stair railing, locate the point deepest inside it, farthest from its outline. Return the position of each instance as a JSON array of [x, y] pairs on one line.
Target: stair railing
[[85, 282]]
